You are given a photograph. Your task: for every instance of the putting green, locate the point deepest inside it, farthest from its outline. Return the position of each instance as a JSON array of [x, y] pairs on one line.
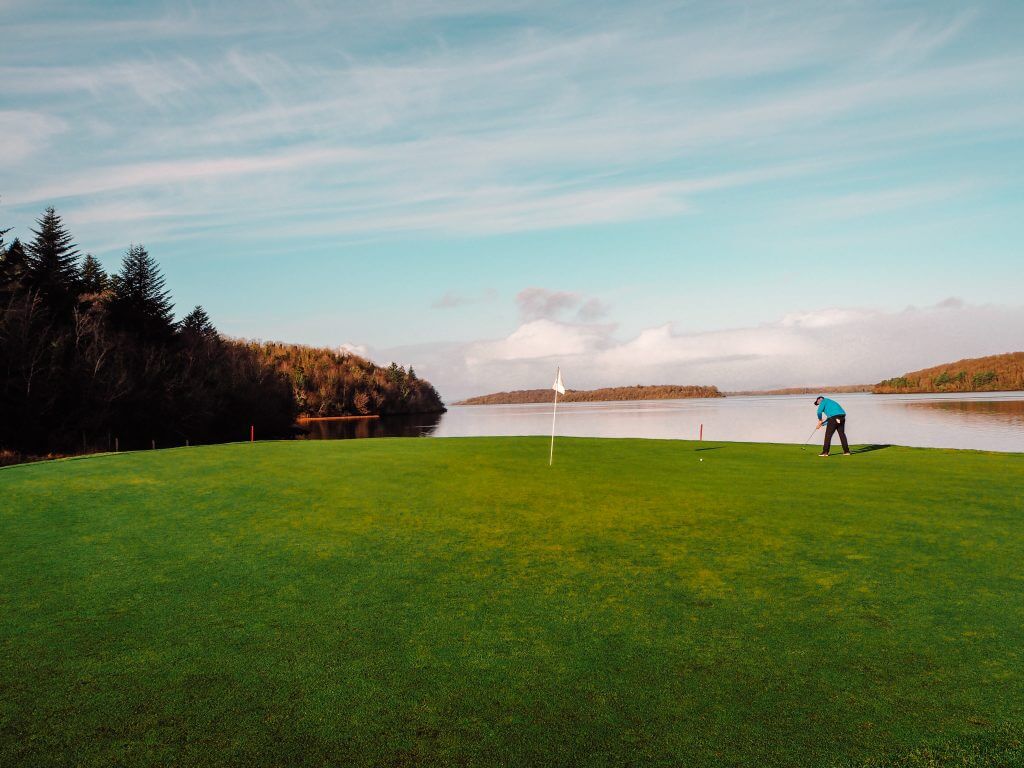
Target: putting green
[[457, 602]]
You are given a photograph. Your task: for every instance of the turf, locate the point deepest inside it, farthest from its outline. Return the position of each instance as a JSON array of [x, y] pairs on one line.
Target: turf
[[457, 602]]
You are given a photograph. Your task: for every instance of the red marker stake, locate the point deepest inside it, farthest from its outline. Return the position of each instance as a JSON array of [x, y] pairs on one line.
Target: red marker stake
[[701, 432], [252, 433]]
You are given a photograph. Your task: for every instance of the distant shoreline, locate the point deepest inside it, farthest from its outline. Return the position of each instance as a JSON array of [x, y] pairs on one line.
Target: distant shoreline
[[604, 395], [838, 390]]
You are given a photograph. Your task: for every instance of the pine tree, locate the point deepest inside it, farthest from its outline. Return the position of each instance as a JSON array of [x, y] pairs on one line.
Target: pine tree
[[93, 280], [52, 267], [197, 325], [141, 304], [13, 263]]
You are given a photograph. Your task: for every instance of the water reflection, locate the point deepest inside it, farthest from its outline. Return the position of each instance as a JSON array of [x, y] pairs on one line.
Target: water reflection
[[978, 411], [988, 421], [414, 425]]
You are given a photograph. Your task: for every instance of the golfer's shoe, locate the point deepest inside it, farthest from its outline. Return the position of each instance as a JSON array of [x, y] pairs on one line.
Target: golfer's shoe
[[847, 453], [822, 455]]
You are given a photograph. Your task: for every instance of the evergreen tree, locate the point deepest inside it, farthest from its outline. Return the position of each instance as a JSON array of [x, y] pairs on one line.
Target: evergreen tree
[[197, 325], [52, 267], [13, 263], [93, 280], [141, 304]]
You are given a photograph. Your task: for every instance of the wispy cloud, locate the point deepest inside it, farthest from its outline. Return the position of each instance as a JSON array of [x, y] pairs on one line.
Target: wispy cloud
[[503, 131], [451, 300], [537, 303], [893, 200], [25, 134], [172, 172], [920, 39]]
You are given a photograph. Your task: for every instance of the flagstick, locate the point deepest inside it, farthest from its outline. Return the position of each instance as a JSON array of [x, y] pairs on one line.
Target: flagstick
[[554, 413]]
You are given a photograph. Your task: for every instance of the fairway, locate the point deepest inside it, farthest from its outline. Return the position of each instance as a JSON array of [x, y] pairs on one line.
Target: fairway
[[457, 602]]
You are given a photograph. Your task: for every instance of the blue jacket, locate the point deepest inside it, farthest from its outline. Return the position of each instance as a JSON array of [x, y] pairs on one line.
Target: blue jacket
[[830, 408]]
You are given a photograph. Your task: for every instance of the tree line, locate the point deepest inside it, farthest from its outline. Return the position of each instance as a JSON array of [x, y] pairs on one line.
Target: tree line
[[637, 392], [803, 390], [90, 360], [995, 373]]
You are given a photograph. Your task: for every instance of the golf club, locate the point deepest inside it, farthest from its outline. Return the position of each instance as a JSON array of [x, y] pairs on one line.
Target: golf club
[[804, 446]]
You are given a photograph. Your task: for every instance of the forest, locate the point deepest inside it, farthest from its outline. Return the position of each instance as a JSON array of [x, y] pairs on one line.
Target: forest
[[636, 392], [91, 361], [995, 373]]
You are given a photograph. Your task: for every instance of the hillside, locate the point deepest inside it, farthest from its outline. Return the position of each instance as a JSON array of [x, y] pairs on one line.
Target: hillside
[[996, 373], [637, 392], [329, 382]]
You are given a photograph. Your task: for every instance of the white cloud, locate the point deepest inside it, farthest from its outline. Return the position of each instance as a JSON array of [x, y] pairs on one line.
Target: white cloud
[[539, 339], [822, 318], [660, 347], [354, 349], [819, 347]]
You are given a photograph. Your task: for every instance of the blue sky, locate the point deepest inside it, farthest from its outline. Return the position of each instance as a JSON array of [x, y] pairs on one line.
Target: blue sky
[[742, 194]]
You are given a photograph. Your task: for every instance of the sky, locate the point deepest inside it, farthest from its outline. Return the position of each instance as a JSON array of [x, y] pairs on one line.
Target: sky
[[748, 195]]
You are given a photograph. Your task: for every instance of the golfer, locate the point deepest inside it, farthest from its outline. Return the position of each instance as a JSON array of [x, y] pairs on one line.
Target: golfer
[[831, 413]]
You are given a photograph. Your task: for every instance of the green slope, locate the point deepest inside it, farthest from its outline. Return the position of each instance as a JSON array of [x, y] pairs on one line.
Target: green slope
[[457, 602]]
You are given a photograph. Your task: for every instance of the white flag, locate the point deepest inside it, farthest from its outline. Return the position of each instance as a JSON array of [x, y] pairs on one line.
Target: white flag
[[558, 386]]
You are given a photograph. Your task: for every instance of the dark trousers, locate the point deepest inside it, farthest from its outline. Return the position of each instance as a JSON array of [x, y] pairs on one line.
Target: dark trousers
[[835, 424]]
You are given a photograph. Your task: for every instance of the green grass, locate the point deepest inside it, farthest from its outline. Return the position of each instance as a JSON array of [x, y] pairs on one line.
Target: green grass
[[457, 602]]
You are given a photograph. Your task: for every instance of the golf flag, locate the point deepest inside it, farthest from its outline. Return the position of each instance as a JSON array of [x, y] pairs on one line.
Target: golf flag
[[559, 388]]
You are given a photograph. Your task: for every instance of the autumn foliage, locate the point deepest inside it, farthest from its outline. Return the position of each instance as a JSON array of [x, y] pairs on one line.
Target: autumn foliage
[[328, 382], [996, 373]]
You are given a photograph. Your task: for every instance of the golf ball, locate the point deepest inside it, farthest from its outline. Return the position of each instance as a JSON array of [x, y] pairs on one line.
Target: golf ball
[[701, 459]]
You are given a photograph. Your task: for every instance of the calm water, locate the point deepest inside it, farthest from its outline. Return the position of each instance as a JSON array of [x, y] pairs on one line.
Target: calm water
[[988, 421]]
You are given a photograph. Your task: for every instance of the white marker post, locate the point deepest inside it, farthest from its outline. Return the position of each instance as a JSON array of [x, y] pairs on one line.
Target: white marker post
[[559, 388]]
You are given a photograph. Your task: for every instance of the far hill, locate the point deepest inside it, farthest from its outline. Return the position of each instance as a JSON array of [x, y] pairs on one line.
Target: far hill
[[805, 390], [996, 373], [638, 392]]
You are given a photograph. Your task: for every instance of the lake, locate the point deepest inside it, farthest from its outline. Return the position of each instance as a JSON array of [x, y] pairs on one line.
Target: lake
[[986, 421]]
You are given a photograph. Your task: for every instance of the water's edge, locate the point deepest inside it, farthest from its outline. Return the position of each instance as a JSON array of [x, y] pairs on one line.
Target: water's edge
[[978, 421]]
